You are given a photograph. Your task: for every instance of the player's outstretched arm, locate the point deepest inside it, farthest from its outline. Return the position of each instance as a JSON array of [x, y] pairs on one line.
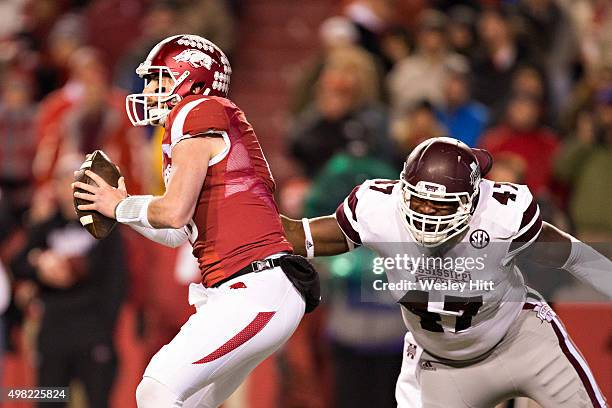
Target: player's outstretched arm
[[326, 236], [557, 249]]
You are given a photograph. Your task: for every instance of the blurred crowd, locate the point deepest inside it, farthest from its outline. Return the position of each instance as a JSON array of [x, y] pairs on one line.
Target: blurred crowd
[[529, 80]]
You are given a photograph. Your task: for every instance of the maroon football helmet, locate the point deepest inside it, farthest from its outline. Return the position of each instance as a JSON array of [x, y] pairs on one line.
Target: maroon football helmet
[[188, 61], [442, 170]]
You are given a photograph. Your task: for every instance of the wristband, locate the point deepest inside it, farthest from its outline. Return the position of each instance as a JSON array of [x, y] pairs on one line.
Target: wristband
[[133, 210], [308, 242]]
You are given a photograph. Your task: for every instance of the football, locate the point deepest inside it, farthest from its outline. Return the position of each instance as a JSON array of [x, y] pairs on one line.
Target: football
[[97, 224]]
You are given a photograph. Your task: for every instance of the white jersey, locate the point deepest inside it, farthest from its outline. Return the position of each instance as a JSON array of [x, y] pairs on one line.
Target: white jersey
[[458, 303]]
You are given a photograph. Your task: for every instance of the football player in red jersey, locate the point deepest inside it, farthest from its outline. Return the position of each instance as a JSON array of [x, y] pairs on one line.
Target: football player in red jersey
[[219, 196]]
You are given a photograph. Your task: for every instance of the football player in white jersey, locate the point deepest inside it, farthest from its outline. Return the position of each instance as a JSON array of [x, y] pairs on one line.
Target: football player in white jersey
[[449, 241]]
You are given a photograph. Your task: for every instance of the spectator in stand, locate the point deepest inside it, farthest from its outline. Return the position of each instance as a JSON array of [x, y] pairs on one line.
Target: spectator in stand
[[211, 19], [460, 30], [160, 21], [419, 76], [17, 112], [552, 38], [417, 125], [52, 110], [585, 163], [85, 115], [497, 60], [67, 35], [508, 168], [530, 80], [334, 33], [522, 133], [595, 79], [593, 21], [372, 20], [81, 285], [464, 118], [346, 115], [11, 18], [396, 44]]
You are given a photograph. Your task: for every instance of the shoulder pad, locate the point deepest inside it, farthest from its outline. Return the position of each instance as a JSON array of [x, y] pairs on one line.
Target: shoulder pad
[[196, 116]]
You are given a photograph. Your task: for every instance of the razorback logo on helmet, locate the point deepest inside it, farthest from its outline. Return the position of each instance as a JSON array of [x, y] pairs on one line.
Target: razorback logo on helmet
[[195, 58], [201, 43], [195, 41]]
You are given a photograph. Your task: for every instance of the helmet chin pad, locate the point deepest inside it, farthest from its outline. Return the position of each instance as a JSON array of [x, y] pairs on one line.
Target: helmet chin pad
[[158, 116]]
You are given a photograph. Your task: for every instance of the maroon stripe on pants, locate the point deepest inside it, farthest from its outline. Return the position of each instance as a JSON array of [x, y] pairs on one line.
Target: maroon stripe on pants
[[561, 338], [246, 334], [572, 359]]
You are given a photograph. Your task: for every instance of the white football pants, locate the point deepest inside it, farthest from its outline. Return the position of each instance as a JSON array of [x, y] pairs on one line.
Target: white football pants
[[234, 328], [407, 389]]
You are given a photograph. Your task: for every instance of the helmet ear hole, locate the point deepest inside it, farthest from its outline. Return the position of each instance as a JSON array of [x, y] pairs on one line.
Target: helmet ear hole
[[197, 88]]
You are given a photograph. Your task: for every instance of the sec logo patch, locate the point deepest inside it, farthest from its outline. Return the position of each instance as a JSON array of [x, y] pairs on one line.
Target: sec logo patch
[[479, 238]]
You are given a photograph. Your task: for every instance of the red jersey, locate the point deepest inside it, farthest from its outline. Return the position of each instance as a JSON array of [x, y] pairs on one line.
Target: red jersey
[[236, 216]]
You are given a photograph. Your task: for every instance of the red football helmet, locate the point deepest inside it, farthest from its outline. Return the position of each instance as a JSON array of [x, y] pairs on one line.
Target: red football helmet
[[443, 170], [188, 61]]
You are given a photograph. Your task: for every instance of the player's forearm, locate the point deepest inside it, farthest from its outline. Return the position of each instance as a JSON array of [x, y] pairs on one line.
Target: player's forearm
[[164, 212], [326, 237], [153, 212], [294, 232]]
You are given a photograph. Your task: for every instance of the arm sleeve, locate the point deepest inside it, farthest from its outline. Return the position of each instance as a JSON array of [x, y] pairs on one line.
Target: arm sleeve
[[590, 266], [169, 237]]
